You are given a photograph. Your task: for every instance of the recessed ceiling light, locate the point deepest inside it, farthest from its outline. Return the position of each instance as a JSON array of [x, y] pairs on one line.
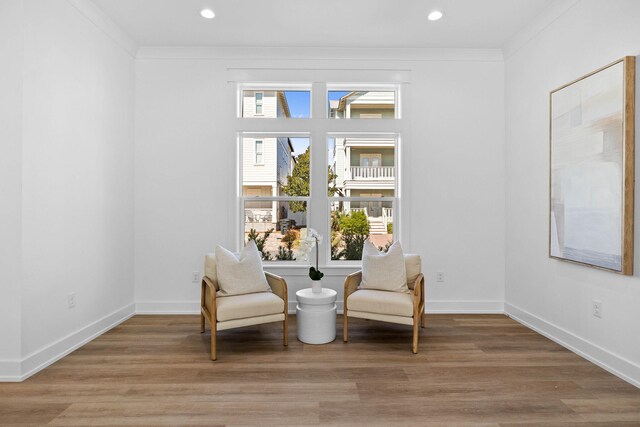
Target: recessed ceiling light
[[435, 15], [207, 13]]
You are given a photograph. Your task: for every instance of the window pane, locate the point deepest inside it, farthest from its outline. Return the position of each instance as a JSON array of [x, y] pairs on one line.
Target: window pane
[[361, 167], [354, 222], [362, 104], [275, 226], [276, 103], [258, 146], [275, 166]]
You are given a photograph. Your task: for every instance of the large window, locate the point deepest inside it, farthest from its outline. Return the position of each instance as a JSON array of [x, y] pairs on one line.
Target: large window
[[356, 180], [362, 185]]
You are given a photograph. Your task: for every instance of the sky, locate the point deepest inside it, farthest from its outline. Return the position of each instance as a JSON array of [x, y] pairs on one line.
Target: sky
[[299, 145], [300, 101]]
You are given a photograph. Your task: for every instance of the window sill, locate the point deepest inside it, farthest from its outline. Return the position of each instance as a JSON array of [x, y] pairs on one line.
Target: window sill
[[303, 270]]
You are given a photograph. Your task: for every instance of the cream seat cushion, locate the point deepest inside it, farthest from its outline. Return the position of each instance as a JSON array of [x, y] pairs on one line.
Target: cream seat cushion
[[382, 302], [248, 305], [384, 271]]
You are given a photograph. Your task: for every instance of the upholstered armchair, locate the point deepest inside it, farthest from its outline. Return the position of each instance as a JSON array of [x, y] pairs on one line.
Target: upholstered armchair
[[385, 306], [236, 311]]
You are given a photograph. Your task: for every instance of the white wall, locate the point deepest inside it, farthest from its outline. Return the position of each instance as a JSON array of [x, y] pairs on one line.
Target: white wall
[[185, 169], [554, 296], [77, 172], [11, 57]]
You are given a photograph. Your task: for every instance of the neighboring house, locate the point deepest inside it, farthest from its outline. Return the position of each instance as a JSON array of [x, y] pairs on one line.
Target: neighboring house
[[266, 162], [364, 105], [366, 167]]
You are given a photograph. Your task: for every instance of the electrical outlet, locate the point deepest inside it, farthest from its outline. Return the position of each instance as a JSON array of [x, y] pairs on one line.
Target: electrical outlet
[[195, 277], [71, 300], [440, 276], [597, 308]]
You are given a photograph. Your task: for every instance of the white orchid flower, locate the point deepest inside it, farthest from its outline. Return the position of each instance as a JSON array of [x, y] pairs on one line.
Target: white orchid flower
[[312, 239]]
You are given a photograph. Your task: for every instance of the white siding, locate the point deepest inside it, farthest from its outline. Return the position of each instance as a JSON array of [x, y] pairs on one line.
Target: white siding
[[285, 164], [373, 103], [264, 174], [269, 104]]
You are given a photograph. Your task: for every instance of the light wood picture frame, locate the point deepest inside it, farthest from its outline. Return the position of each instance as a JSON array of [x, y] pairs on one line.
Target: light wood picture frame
[[591, 168]]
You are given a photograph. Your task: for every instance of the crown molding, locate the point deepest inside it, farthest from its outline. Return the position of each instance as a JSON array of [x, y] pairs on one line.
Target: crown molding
[[320, 53], [105, 24], [546, 18]]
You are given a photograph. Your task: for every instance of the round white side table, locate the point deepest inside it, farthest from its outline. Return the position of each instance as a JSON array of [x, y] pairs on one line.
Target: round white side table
[[316, 315]]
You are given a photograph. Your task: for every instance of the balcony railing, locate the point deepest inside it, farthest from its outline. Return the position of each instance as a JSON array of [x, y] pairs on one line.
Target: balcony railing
[[373, 172]]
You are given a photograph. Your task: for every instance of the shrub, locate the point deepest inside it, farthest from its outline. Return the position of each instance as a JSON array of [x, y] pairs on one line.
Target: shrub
[[355, 231], [336, 219], [336, 243], [291, 236], [355, 223], [390, 228], [285, 253], [353, 246], [260, 241]]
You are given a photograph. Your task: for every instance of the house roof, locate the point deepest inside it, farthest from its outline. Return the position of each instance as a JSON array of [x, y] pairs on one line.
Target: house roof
[[285, 104], [343, 101]]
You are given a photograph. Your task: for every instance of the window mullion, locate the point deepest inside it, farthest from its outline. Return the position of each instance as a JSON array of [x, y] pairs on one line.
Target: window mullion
[[318, 217]]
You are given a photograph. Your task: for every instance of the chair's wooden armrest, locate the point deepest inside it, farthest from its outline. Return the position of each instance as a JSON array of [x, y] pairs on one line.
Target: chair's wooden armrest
[[213, 284], [418, 290], [208, 307], [278, 285], [351, 283]]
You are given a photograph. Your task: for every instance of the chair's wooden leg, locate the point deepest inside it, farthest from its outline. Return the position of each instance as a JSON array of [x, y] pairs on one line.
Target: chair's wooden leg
[[285, 330], [201, 323], [415, 335], [422, 319], [345, 329], [214, 335]]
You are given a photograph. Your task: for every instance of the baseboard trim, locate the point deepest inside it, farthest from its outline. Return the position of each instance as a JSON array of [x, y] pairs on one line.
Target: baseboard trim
[[435, 307], [464, 307], [618, 366], [10, 371], [50, 354], [168, 307]]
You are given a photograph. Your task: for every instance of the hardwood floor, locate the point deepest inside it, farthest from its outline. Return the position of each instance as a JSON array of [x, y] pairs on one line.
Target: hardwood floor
[[480, 370]]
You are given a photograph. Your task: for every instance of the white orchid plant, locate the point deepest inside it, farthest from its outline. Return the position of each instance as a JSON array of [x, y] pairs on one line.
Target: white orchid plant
[[313, 239]]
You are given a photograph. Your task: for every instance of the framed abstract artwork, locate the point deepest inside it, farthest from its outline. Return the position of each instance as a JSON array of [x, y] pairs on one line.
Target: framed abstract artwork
[[591, 175]]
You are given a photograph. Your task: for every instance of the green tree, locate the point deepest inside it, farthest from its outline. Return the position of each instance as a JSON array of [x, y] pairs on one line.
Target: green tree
[[260, 241], [298, 182]]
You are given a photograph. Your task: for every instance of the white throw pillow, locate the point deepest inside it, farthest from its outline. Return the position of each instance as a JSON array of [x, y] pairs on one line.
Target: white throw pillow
[[384, 271], [240, 275]]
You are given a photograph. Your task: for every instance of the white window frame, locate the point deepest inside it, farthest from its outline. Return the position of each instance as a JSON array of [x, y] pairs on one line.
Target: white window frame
[[318, 128]]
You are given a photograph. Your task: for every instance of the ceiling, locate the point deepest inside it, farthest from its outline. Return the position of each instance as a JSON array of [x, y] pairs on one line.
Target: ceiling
[[323, 23]]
